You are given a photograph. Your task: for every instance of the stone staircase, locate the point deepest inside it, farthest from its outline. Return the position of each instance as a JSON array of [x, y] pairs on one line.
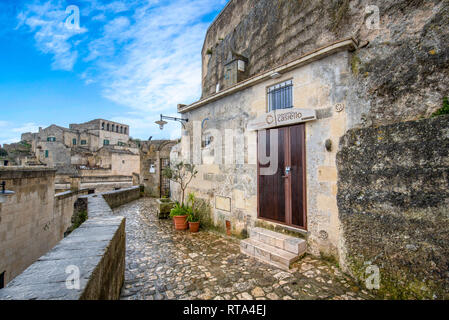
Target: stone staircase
[[273, 248]]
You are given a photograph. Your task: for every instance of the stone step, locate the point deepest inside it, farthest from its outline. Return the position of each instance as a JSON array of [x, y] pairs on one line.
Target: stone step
[[294, 245], [268, 254]]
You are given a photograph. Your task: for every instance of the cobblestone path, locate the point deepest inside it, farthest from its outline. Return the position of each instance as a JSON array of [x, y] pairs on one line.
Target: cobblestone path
[[162, 263]]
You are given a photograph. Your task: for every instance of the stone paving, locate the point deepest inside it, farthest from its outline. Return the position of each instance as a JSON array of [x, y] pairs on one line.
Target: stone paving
[[162, 263]]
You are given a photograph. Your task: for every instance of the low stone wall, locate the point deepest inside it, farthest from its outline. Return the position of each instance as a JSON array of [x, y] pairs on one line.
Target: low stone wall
[[393, 200], [95, 251], [122, 196], [28, 225], [64, 209]]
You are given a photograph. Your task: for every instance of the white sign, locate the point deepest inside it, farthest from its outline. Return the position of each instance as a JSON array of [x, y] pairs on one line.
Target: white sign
[[282, 117]]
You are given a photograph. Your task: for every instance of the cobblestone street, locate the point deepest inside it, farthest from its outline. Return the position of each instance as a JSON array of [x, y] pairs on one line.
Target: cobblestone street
[[162, 263]]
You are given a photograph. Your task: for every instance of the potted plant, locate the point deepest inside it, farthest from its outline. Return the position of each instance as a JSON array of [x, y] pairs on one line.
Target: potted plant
[[181, 173], [193, 219], [180, 214]]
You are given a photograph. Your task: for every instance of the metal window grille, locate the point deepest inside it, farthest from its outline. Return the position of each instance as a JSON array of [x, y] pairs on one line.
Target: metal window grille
[[280, 96], [165, 182]]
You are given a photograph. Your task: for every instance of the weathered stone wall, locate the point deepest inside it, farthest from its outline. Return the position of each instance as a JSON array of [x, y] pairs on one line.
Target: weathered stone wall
[[28, 225], [96, 249], [231, 189], [104, 183], [64, 209], [151, 154], [120, 197], [32, 220], [400, 75], [393, 200]]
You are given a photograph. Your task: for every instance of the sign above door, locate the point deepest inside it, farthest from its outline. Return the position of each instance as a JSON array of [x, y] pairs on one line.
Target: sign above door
[[282, 117]]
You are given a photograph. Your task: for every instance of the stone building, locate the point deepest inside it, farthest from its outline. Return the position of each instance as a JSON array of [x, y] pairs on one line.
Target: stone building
[[97, 154], [154, 156], [286, 85]]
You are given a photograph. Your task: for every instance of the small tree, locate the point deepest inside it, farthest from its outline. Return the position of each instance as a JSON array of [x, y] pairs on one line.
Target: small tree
[[182, 174], [3, 152]]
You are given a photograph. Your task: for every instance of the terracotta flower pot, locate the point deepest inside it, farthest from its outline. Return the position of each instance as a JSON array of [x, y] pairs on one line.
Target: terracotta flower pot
[[194, 226], [180, 222]]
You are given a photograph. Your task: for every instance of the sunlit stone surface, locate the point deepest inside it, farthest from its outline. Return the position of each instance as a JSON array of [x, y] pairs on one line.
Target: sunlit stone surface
[[162, 263]]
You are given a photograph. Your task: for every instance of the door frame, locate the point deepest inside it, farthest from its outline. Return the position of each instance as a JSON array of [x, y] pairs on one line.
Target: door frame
[[288, 195]]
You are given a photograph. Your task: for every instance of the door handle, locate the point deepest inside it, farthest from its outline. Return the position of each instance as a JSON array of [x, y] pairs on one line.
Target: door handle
[[287, 172]]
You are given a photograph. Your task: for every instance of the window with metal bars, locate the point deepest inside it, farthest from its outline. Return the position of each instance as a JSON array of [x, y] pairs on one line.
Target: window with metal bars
[[280, 96], [2, 279]]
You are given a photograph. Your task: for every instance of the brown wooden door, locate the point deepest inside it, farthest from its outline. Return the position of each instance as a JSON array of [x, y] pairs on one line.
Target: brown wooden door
[[282, 195]]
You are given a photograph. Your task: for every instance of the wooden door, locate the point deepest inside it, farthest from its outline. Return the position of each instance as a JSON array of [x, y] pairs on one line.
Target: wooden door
[[282, 195]]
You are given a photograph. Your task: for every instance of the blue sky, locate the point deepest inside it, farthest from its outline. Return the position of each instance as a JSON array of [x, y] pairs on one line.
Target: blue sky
[[128, 61]]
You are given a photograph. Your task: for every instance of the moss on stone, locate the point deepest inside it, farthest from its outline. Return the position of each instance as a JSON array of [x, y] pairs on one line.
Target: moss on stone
[[338, 12], [444, 109], [355, 64]]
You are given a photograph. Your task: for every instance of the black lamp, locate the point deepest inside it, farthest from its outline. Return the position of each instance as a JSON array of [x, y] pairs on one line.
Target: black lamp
[[162, 123]]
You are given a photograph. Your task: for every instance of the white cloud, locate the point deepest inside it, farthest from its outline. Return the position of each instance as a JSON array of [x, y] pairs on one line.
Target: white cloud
[[47, 22], [161, 65], [146, 56], [11, 133]]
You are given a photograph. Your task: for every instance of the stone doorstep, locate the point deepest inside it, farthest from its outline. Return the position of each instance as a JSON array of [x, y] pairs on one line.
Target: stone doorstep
[[282, 241], [268, 254]]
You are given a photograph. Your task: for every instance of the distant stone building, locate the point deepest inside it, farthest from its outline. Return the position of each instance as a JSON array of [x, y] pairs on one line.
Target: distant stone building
[[97, 154]]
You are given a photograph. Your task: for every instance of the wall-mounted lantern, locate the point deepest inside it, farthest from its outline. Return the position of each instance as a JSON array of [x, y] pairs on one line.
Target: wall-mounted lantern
[[162, 123], [4, 193]]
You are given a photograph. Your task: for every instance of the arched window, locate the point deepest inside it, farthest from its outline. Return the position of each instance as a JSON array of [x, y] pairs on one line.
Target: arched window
[[116, 129], [102, 126], [125, 130], [113, 127], [107, 127]]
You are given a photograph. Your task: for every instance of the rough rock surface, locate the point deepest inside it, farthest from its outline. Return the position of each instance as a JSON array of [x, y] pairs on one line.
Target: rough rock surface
[[393, 200], [400, 75]]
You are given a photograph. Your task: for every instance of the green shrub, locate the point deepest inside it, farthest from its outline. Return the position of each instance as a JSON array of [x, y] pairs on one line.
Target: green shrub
[[444, 109], [77, 221], [180, 210], [193, 216]]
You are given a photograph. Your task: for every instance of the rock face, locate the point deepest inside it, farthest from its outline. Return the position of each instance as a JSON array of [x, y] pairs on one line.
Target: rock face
[[399, 75], [393, 193]]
